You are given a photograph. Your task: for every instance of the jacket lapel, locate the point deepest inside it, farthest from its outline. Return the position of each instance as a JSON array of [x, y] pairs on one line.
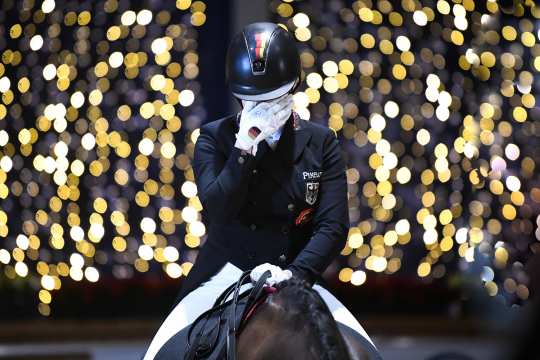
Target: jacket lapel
[[279, 162]]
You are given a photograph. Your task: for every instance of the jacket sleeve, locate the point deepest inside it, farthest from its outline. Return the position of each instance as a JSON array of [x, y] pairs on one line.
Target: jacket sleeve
[[221, 180], [331, 217]]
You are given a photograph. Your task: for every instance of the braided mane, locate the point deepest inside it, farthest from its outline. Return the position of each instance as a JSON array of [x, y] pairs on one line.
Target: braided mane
[[302, 306]]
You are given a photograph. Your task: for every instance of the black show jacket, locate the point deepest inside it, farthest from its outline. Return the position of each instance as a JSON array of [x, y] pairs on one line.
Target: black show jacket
[[287, 206]]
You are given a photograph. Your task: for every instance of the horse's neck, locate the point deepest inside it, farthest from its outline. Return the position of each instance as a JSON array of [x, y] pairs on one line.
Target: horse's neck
[[265, 336]]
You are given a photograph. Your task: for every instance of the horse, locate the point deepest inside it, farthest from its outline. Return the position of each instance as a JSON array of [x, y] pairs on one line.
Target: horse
[[289, 320]]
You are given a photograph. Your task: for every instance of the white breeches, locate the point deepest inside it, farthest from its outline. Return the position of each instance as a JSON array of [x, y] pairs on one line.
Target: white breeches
[[203, 297]]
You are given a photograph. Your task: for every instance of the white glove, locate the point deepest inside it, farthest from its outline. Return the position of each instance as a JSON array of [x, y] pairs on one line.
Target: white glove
[[278, 275], [260, 120]]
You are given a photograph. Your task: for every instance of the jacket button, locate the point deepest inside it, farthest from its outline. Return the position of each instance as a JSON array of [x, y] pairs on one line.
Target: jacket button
[[240, 160], [254, 171], [290, 207], [252, 226], [285, 229], [282, 258]]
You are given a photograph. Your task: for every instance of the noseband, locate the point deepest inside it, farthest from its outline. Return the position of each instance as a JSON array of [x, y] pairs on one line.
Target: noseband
[[210, 341]]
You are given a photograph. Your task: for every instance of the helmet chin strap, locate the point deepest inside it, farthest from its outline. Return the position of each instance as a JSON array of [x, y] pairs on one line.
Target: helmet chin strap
[[239, 101], [296, 85]]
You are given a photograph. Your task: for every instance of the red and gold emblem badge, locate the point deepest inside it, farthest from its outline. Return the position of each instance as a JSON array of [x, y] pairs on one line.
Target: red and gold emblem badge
[[304, 216]]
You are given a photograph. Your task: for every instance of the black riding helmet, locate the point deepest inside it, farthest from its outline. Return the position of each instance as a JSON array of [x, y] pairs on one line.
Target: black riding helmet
[[262, 63]]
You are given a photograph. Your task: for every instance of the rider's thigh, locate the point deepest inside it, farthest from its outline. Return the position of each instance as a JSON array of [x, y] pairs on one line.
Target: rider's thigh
[[183, 314], [192, 305], [340, 312]]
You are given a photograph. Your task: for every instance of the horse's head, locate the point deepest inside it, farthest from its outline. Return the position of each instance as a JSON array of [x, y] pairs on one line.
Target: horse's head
[[293, 322]]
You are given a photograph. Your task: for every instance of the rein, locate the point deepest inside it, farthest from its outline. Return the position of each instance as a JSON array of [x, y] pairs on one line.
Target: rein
[[268, 290]]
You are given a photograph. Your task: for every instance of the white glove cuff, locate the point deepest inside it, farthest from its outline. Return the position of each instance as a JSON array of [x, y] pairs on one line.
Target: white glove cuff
[[243, 143]]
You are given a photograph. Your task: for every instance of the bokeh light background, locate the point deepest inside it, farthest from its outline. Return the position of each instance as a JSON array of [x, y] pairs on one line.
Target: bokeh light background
[[99, 104], [434, 103]]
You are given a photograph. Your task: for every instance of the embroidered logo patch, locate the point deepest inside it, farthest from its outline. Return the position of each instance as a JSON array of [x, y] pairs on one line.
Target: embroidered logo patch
[[311, 175], [312, 190]]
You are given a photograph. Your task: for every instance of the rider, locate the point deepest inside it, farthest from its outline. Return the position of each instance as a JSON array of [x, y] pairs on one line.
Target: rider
[[273, 186]]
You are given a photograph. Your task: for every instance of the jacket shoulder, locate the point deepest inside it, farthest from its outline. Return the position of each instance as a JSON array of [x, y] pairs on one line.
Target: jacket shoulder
[[215, 127], [317, 130]]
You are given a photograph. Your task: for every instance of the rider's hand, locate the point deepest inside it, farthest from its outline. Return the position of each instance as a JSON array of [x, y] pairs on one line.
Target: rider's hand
[[259, 120], [278, 274]]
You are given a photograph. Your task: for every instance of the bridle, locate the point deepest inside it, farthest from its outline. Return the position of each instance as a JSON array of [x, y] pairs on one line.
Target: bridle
[[205, 342]]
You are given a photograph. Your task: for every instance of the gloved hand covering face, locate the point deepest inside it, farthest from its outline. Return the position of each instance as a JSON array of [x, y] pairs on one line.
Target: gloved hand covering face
[[278, 274], [259, 120]]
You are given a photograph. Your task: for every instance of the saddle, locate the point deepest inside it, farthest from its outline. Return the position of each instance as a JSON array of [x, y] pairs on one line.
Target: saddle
[[212, 335]]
